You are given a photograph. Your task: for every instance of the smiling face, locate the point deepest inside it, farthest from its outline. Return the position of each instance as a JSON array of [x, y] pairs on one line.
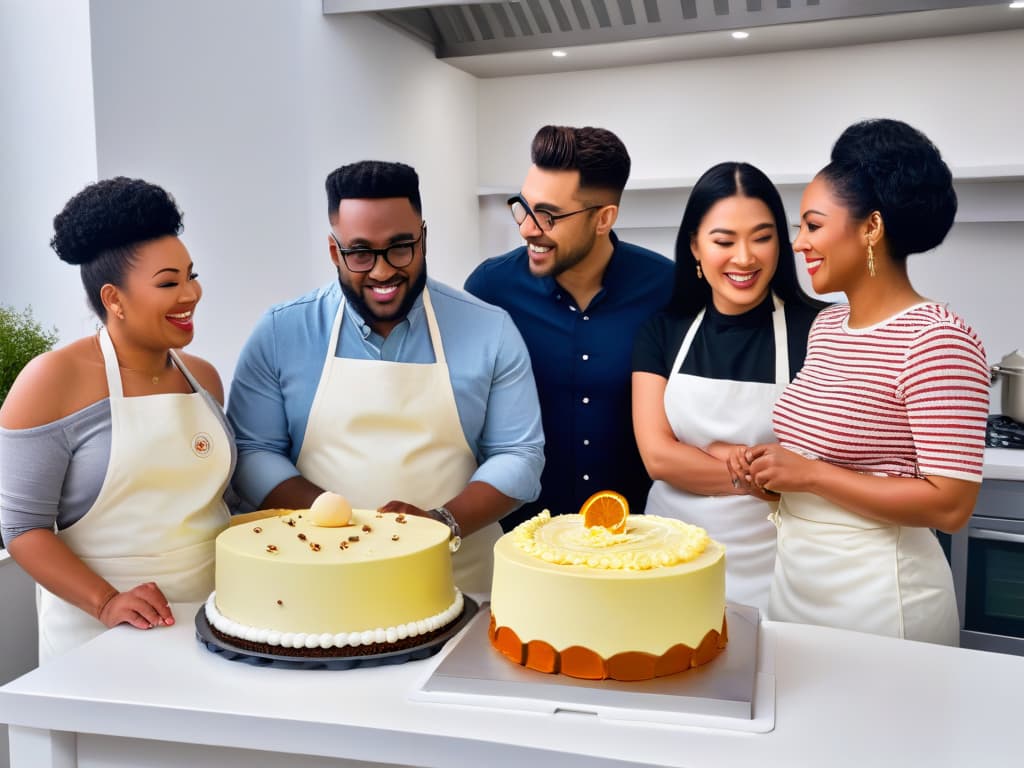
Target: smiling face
[[158, 296], [832, 243], [572, 239], [738, 249], [385, 294]]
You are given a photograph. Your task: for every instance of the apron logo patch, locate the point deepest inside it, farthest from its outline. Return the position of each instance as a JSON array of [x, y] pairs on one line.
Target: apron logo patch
[[202, 445]]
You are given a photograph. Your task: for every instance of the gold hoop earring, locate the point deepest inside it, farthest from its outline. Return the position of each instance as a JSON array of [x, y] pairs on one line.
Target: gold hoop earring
[[700, 275], [871, 260]]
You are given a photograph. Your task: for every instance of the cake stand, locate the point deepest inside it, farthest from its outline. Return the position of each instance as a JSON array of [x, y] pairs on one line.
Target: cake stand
[[223, 648]]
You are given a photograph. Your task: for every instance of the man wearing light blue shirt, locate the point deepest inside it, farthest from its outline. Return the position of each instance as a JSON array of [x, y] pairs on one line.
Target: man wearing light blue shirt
[[391, 389]]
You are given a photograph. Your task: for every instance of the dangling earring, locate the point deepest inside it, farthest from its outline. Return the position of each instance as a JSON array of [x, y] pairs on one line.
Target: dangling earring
[[871, 260], [700, 275]]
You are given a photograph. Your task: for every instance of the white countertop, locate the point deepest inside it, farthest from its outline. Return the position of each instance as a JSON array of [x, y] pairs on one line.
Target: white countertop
[[842, 698], [1004, 464]]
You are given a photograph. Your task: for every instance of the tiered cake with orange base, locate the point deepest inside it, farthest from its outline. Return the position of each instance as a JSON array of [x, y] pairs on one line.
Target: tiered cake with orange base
[[593, 602], [312, 583]]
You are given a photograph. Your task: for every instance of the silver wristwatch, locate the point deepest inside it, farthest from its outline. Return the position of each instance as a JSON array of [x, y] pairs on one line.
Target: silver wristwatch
[[442, 515]]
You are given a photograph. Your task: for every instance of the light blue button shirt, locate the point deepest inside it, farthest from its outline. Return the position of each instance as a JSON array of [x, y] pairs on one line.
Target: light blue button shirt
[[495, 394]]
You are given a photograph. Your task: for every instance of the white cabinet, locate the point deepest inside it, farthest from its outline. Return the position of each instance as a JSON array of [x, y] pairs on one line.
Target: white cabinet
[[18, 643]]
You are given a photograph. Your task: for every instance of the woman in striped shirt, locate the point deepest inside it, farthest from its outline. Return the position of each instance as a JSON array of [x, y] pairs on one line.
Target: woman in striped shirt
[[881, 434]]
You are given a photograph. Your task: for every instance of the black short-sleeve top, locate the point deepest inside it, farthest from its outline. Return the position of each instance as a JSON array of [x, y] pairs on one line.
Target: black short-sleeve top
[[730, 347]]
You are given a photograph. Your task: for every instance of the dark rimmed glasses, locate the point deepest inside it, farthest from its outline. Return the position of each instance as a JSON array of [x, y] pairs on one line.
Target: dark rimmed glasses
[[398, 255], [545, 220]]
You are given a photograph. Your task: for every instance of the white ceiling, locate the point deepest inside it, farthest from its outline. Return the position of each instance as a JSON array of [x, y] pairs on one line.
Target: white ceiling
[[774, 25]]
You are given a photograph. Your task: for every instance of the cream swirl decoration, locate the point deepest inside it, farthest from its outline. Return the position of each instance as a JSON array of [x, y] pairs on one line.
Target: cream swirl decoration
[[649, 542]]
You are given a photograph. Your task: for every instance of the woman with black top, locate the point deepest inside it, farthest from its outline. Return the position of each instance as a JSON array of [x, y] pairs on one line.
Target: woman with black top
[[707, 369]]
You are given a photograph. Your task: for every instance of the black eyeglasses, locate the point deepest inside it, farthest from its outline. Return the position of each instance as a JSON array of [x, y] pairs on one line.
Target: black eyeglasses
[[544, 220], [398, 255]]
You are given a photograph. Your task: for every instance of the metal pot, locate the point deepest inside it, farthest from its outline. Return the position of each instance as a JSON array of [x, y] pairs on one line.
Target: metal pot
[[1011, 368]]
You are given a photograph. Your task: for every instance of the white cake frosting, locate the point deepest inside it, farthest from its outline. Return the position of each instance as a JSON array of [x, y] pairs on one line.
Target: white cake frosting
[[354, 638]]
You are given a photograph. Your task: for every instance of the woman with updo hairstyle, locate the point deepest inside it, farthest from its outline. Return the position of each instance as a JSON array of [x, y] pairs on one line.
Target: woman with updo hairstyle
[[707, 369], [881, 435], [116, 452]]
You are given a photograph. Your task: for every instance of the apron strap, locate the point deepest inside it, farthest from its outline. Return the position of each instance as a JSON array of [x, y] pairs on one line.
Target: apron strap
[[180, 364], [114, 384], [435, 332], [687, 341], [781, 342], [432, 329]]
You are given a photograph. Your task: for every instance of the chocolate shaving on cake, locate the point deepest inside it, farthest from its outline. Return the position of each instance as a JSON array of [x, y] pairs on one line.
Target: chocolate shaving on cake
[[353, 538], [343, 545], [271, 548], [279, 602], [394, 537], [367, 529], [314, 546], [257, 529], [400, 519], [302, 537]]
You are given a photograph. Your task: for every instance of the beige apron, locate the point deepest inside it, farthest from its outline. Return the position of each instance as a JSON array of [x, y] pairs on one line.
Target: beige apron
[[159, 508], [380, 430], [839, 569], [701, 411]]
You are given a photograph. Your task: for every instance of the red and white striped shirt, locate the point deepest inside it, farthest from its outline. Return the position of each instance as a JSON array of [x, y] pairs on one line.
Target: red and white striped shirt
[[907, 397]]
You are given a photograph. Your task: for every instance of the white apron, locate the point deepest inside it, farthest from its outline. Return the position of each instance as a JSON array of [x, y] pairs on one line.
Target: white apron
[[159, 509], [380, 430], [839, 569], [702, 411]]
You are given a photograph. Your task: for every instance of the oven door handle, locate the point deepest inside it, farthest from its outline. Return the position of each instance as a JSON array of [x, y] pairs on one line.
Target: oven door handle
[[989, 535]]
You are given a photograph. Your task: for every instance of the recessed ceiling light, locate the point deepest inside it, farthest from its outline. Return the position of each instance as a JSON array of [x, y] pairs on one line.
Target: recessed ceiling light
[[741, 35], [559, 54], [1017, 4]]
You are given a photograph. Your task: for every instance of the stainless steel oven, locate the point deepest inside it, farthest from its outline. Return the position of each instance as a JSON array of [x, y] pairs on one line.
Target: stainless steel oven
[[987, 558]]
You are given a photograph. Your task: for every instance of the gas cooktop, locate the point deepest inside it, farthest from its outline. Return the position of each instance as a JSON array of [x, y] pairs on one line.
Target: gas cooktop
[[1004, 432]]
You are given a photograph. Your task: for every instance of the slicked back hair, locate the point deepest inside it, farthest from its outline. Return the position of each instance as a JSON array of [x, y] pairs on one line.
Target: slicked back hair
[[598, 154]]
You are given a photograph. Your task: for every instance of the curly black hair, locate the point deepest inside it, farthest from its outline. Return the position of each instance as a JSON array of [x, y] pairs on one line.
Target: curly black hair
[[99, 228], [888, 166]]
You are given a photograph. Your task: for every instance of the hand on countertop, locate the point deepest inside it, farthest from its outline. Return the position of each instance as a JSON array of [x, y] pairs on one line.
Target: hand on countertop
[[143, 606]]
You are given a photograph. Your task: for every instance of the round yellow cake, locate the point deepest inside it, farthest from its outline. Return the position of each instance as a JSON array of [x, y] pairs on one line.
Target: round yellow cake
[[590, 603], [286, 583]]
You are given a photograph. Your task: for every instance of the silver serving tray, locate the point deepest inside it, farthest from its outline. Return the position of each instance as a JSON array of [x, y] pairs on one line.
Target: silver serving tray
[[729, 692]]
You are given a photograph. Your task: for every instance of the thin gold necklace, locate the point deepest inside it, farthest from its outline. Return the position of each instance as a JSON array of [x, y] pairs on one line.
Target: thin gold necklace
[[155, 379]]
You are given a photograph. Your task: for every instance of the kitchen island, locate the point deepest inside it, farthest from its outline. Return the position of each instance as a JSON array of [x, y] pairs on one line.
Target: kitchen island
[[161, 699]]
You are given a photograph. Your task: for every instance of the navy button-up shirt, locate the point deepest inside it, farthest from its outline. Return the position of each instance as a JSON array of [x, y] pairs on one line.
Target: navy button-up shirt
[[582, 361]]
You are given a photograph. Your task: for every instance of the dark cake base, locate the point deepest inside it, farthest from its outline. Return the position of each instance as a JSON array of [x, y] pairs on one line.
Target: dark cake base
[[261, 654]]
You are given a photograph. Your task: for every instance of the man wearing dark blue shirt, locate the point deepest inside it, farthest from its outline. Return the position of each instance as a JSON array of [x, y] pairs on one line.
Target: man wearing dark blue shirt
[[578, 295]]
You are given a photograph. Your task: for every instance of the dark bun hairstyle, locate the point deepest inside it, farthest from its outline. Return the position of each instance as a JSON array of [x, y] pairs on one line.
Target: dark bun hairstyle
[[890, 167], [99, 228], [692, 294]]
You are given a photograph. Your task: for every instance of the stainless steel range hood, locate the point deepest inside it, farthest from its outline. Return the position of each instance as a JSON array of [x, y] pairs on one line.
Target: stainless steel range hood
[[458, 30]]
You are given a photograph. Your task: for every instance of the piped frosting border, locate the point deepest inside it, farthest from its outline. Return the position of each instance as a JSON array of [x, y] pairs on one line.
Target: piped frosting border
[[327, 640], [692, 541]]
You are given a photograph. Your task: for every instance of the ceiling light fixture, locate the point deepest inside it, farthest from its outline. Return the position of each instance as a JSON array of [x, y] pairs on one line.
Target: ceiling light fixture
[[1017, 4], [559, 54], [740, 35]]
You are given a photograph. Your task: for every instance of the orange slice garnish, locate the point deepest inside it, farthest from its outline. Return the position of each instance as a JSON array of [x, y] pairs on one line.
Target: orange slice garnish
[[606, 509]]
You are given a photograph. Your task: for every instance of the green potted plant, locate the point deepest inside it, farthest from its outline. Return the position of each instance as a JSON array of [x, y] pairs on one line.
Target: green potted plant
[[21, 339]]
